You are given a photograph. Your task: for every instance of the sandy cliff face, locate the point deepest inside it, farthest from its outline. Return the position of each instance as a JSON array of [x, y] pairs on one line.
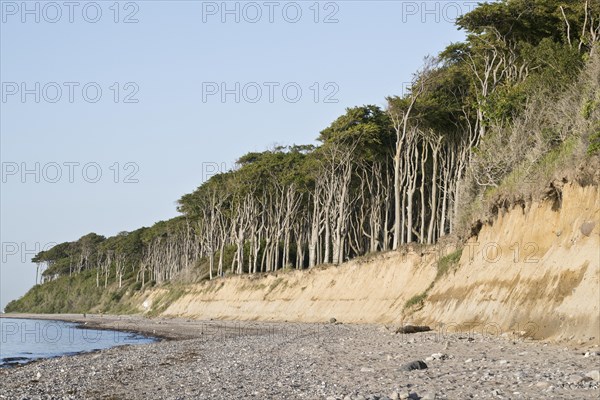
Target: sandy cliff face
[[368, 291], [535, 269]]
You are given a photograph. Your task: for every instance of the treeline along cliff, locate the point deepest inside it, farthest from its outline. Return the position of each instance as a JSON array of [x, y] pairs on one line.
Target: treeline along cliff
[[499, 119]]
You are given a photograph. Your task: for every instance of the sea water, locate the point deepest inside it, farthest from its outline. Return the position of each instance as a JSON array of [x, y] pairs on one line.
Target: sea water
[[24, 340]]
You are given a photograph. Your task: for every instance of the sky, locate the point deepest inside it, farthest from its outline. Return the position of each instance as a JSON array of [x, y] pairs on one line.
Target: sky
[[110, 111]]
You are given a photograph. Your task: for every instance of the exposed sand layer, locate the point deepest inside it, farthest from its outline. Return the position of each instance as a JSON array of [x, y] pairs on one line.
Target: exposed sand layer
[[361, 291], [232, 360], [534, 269]]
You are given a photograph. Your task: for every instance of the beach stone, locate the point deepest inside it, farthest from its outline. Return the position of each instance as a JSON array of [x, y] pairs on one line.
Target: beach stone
[[595, 375], [576, 378], [413, 365], [37, 377], [587, 227]]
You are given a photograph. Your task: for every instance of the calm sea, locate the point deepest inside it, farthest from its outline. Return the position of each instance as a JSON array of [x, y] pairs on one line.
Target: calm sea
[[24, 340]]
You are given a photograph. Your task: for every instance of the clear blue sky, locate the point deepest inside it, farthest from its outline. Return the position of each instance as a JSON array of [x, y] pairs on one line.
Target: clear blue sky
[[172, 57]]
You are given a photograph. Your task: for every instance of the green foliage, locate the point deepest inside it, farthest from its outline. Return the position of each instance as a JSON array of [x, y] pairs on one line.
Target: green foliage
[[557, 65], [446, 263], [594, 146], [417, 301], [505, 103], [367, 127], [75, 294], [589, 106], [528, 21], [162, 302]]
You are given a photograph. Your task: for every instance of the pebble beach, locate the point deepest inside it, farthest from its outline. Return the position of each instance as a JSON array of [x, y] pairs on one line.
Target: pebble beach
[[235, 360]]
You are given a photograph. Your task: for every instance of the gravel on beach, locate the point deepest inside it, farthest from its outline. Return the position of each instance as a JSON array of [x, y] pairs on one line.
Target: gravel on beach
[[260, 360]]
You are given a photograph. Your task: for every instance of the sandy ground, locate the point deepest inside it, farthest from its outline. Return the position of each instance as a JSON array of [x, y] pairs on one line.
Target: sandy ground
[[233, 360]]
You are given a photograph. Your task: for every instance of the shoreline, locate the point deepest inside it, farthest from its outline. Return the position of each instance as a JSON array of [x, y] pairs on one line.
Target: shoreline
[[180, 328], [173, 329], [80, 323], [121, 323]]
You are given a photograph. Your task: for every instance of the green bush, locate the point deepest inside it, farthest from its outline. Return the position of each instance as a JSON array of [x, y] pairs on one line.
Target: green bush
[[74, 294], [594, 146]]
